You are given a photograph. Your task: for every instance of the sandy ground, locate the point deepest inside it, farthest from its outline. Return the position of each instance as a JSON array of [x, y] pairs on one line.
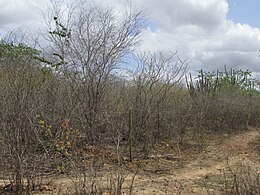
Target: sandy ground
[[186, 173], [214, 160]]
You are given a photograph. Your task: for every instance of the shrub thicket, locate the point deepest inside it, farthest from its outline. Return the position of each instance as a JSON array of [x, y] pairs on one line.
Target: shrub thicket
[[51, 108]]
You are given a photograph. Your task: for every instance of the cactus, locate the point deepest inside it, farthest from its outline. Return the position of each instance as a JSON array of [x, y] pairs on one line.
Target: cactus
[[130, 136], [210, 82]]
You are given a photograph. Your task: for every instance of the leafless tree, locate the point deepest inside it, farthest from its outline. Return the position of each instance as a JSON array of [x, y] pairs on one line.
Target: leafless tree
[[91, 41], [154, 80]]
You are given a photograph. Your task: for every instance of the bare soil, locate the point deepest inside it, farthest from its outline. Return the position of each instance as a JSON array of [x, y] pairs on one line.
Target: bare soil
[[172, 170], [192, 173]]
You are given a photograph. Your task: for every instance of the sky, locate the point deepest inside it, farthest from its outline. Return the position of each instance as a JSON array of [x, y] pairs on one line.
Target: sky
[[209, 33]]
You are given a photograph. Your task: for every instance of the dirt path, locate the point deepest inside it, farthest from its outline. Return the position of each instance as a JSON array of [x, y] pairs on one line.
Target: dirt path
[[170, 176], [233, 151], [164, 177]]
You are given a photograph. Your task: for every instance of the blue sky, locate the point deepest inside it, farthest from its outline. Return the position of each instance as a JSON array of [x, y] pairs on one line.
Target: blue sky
[[209, 33], [245, 11]]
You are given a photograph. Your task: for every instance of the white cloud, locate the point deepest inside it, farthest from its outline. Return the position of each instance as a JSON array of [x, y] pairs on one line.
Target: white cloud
[[15, 12], [202, 13], [197, 29]]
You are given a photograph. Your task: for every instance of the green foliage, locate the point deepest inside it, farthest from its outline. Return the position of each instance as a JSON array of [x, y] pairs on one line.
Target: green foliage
[[224, 100], [55, 64], [63, 33], [211, 82], [10, 50], [239, 78], [60, 30]]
